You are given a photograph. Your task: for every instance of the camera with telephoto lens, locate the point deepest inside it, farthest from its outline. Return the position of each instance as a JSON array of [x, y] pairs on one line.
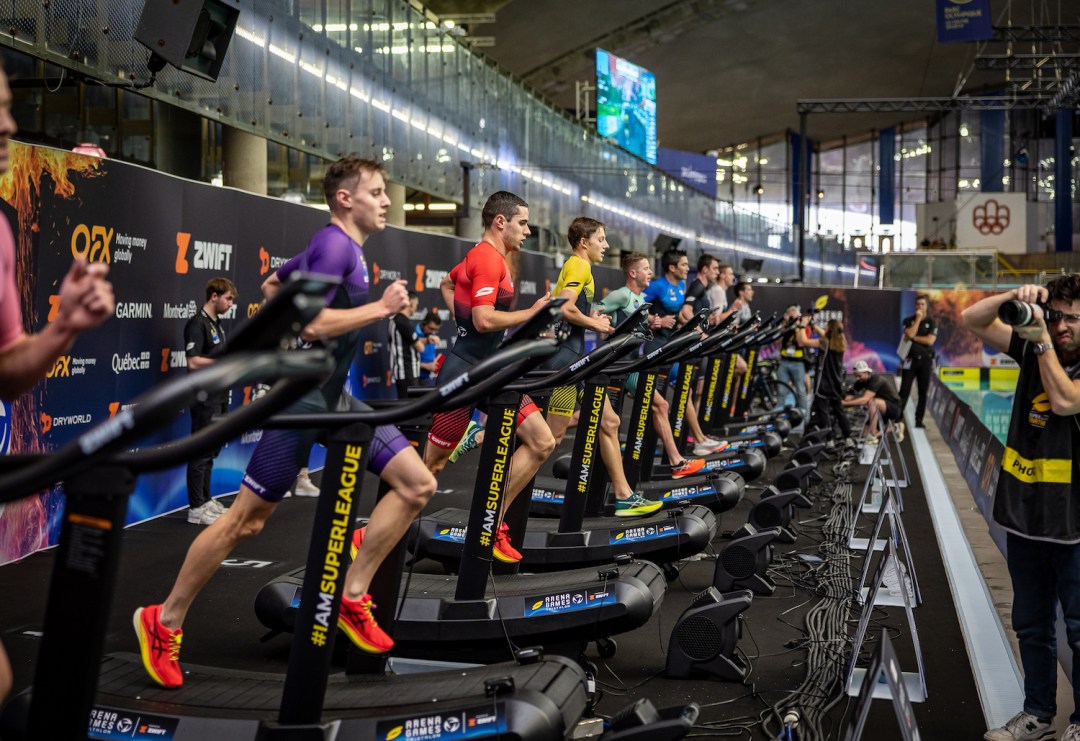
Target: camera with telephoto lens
[[1022, 314]]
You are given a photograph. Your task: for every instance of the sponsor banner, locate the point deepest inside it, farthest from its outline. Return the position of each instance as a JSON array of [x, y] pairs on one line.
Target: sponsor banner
[[106, 723], [581, 599], [451, 534], [644, 532], [963, 20], [696, 170], [488, 720], [992, 221]]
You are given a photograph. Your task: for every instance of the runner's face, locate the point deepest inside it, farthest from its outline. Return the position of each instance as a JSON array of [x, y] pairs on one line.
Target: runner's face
[[517, 229], [682, 269], [642, 275], [726, 278], [369, 203], [596, 245]]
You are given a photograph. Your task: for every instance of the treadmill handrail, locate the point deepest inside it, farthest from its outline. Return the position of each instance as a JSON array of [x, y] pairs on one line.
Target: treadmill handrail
[[592, 362], [160, 405], [541, 321], [479, 380]]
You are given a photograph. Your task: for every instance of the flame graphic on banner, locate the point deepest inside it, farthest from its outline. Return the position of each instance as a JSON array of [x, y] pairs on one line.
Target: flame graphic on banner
[[24, 524]]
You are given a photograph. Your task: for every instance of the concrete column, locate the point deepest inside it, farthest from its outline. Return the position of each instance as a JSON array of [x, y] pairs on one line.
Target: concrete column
[[178, 142], [243, 160], [396, 215]]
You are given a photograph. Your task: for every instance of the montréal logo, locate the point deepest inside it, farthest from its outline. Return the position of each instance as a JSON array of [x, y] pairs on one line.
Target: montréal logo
[[991, 217]]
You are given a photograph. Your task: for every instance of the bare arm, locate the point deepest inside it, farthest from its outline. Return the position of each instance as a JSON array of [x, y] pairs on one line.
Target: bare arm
[[446, 287], [271, 286], [336, 322], [982, 317], [86, 300], [572, 314], [859, 400], [486, 319]]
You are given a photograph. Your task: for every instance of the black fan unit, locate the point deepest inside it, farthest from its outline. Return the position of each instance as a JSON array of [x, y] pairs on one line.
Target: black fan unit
[[744, 562], [704, 637]]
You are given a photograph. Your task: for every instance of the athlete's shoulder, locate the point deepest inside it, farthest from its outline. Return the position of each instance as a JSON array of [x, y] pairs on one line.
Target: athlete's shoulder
[[331, 251]]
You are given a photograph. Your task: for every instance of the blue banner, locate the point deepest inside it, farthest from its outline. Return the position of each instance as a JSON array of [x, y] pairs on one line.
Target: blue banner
[[963, 20], [887, 176], [992, 143], [696, 170]]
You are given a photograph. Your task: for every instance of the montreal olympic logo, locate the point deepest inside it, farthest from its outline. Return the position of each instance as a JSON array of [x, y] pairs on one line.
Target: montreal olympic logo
[[991, 217]]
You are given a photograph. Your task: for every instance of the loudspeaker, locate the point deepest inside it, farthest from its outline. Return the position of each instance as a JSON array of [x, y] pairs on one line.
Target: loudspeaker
[[664, 242], [744, 562], [191, 35], [704, 637]]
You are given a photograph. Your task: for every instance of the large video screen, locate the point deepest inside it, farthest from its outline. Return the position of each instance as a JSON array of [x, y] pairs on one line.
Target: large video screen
[[626, 104]]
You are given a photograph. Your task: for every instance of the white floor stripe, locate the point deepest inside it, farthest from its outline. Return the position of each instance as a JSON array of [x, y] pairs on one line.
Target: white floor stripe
[[997, 675]]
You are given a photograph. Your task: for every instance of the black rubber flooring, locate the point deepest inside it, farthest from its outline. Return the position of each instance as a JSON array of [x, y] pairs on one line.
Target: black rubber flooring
[[222, 629]]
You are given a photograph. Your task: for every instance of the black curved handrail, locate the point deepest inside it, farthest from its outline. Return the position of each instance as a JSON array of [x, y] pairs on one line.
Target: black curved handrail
[[593, 362]]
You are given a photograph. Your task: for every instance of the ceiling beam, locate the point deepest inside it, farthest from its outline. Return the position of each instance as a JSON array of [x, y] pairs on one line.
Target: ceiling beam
[[919, 105]]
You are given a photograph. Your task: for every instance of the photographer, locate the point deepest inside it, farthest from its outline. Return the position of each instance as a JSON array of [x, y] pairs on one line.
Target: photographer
[[794, 345], [1034, 500], [921, 333]]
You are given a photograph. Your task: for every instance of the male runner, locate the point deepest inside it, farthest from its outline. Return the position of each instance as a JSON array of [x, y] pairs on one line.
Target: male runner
[[479, 292], [622, 302], [356, 193], [588, 239]]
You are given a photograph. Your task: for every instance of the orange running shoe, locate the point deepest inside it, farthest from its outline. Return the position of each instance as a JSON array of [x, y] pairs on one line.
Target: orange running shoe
[[357, 541], [356, 620], [503, 550], [159, 646], [688, 467]]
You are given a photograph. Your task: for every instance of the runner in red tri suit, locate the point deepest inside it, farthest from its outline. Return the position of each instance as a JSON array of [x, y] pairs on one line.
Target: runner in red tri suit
[[479, 291]]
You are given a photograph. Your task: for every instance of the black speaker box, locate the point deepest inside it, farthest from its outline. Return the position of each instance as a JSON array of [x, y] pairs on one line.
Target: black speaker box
[[704, 638]]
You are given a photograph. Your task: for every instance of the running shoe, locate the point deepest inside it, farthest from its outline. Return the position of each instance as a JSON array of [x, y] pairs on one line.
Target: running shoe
[[688, 467], [503, 550], [357, 541], [356, 620], [218, 506], [159, 646], [204, 514], [635, 505], [1022, 727], [468, 441], [304, 486]]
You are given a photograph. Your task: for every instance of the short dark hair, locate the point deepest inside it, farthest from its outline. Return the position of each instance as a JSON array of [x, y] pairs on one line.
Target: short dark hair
[[220, 286], [722, 266], [413, 295], [345, 173], [628, 261], [704, 261], [741, 286], [432, 317], [582, 228], [1064, 288], [501, 203], [922, 297], [671, 258]]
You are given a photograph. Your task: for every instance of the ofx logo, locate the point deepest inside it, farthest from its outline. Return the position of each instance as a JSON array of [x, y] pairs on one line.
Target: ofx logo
[[61, 368], [252, 310], [92, 242]]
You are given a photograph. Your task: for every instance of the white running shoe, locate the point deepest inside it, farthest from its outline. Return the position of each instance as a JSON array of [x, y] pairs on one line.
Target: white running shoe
[[204, 514], [1023, 727], [303, 486]]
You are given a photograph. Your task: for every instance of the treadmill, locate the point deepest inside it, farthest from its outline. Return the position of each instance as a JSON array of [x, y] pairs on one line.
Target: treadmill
[[576, 539], [76, 695], [476, 614]]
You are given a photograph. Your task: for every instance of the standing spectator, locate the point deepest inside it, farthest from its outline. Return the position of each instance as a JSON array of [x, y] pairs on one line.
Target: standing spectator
[[86, 300], [793, 344], [921, 331], [203, 339], [830, 388], [428, 332], [1035, 501], [405, 348]]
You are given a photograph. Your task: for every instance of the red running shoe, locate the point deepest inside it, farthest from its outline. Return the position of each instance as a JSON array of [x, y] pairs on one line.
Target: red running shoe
[[357, 541], [159, 646], [356, 620], [503, 550], [688, 467]]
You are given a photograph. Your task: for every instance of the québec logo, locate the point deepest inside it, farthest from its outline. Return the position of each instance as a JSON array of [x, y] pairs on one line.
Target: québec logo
[[128, 362], [215, 256]]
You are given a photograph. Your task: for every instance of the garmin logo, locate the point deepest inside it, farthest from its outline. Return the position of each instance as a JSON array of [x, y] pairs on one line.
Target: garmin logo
[[131, 310], [179, 311], [129, 362]]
